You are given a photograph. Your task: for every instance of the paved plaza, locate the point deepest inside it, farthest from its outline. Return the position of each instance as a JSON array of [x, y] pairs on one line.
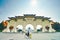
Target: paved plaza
[[35, 36]]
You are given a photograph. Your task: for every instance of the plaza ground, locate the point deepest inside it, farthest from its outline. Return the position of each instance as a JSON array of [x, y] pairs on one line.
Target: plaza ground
[[35, 36]]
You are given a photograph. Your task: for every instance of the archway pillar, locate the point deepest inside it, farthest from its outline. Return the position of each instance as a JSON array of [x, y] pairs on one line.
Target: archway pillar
[[24, 28], [7, 29], [51, 29], [43, 27], [15, 25], [35, 25], [35, 30]]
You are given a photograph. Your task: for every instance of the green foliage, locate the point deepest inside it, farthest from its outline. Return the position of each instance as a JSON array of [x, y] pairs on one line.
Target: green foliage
[[0, 30], [56, 26], [2, 27]]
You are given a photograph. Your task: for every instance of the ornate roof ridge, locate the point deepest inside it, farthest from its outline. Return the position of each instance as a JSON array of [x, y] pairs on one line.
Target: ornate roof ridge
[[29, 15]]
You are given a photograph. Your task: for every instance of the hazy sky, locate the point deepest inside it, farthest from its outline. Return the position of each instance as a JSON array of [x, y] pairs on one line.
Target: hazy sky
[[47, 8]]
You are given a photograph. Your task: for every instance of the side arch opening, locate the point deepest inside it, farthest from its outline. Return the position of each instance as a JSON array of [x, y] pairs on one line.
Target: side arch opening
[[19, 28], [39, 28]]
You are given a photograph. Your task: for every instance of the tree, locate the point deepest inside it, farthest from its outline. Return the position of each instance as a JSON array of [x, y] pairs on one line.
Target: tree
[[3, 25], [56, 26]]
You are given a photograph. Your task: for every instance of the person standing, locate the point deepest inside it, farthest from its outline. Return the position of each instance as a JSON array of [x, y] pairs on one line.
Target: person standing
[[28, 34]]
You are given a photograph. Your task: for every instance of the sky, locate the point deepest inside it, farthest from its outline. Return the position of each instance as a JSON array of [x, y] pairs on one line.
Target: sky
[[47, 8]]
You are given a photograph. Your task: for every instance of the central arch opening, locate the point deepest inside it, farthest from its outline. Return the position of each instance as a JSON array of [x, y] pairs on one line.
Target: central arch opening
[[29, 26]]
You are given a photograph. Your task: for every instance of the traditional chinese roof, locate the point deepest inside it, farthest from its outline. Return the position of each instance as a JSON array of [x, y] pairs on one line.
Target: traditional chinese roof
[[46, 18], [8, 20], [38, 17], [11, 17], [29, 16], [51, 21], [19, 17], [41, 17]]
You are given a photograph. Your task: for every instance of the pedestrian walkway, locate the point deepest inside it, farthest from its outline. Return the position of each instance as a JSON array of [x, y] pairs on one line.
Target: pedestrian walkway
[[35, 36]]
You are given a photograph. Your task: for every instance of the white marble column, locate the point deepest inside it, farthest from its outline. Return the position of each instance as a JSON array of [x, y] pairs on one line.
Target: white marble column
[[15, 25], [51, 29], [7, 29]]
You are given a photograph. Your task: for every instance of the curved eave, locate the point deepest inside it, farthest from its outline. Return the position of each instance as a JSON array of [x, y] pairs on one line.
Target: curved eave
[[29, 14], [19, 17], [11, 17], [8, 20], [47, 18], [41, 17]]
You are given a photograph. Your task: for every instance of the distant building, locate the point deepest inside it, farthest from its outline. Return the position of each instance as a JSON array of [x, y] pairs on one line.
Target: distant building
[[29, 21]]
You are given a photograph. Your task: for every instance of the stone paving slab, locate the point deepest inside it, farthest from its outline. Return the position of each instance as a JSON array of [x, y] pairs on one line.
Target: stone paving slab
[[35, 36]]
